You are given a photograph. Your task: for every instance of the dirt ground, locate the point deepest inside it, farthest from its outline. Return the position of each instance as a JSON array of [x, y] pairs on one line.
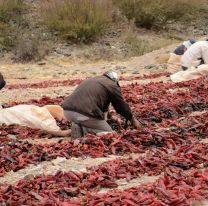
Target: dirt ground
[[53, 69]]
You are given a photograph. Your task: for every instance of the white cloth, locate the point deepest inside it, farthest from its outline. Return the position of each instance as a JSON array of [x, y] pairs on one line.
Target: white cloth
[[187, 44], [29, 115], [194, 53], [191, 73]]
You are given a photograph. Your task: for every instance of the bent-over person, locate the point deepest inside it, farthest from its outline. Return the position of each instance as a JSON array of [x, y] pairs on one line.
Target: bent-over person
[[87, 105]]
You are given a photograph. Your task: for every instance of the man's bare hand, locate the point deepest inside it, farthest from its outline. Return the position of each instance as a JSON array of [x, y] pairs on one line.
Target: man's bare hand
[[135, 123], [117, 120]]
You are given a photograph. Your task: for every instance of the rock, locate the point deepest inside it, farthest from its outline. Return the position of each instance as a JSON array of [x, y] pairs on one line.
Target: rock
[[63, 52], [41, 63], [11, 136], [29, 177], [151, 66], [66, 44], [107, 43], [122, 68], [135, 71]]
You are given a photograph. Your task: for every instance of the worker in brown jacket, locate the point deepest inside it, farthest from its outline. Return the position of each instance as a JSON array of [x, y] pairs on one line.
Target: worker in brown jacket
[[87, 105], [2, 81]]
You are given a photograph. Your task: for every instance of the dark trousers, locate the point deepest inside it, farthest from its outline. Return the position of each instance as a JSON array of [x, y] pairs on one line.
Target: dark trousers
[[87, 124]]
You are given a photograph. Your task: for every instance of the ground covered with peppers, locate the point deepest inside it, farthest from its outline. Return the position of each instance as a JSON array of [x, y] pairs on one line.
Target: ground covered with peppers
[[164, 163]]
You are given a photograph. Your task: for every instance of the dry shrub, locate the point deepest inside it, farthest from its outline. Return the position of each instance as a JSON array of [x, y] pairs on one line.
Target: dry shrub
[[79, 20], [29, 50], [139, 46], [10, 10], [156, 13]]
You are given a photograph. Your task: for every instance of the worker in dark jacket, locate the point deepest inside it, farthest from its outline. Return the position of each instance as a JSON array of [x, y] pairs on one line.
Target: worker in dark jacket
[[87, 105], [2, 81]]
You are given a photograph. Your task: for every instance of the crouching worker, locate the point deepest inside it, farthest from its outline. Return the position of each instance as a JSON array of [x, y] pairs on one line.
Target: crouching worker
[[87, 105], [2, 81], [181, 49], [196, 55]]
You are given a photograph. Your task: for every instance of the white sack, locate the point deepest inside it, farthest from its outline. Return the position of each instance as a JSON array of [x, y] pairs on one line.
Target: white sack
[[191, 73], [29, 115]]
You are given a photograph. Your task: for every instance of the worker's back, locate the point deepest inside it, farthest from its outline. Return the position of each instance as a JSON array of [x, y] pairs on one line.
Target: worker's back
[[192, 57], [91, 97]]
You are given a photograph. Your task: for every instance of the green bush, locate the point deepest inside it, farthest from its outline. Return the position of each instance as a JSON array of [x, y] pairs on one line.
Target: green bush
[[79, 20], [156, 13]]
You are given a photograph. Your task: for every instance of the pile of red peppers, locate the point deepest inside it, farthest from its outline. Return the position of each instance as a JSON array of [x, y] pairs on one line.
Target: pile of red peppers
[[45, 84], [170, 134]]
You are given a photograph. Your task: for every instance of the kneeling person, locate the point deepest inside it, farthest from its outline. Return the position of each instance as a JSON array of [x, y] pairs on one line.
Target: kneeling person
[[86, 106]]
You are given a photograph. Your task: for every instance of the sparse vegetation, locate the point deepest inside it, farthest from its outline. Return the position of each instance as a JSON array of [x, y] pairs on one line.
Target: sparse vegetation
[[10, 11], [30, 30], [139, 46], [28, 49], [149, 13], [79, 20]]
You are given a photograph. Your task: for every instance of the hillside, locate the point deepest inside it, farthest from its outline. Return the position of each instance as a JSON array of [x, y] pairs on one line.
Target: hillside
[[32, 40]]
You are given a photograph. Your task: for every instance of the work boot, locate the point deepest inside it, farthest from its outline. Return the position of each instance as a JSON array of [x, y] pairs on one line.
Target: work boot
[[76, 131]]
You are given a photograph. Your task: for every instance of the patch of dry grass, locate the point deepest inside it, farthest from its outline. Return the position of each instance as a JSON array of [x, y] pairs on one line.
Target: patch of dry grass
[[10, 11], [79, 20], [139, 46], [149, 13]]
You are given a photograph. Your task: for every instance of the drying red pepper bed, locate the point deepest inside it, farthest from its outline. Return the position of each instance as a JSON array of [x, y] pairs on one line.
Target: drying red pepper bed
[[171, 144]]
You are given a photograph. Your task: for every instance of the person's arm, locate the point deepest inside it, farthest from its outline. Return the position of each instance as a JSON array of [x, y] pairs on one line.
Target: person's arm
[[119, 103], [122, 107], [135, 123], [60, 133], [205, 54]]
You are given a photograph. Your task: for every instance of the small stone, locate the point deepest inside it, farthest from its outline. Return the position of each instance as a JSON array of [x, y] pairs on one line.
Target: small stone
[[41, 63], [85, 141], [136, 71], [11, 136], [150, 66], [29, 177]]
